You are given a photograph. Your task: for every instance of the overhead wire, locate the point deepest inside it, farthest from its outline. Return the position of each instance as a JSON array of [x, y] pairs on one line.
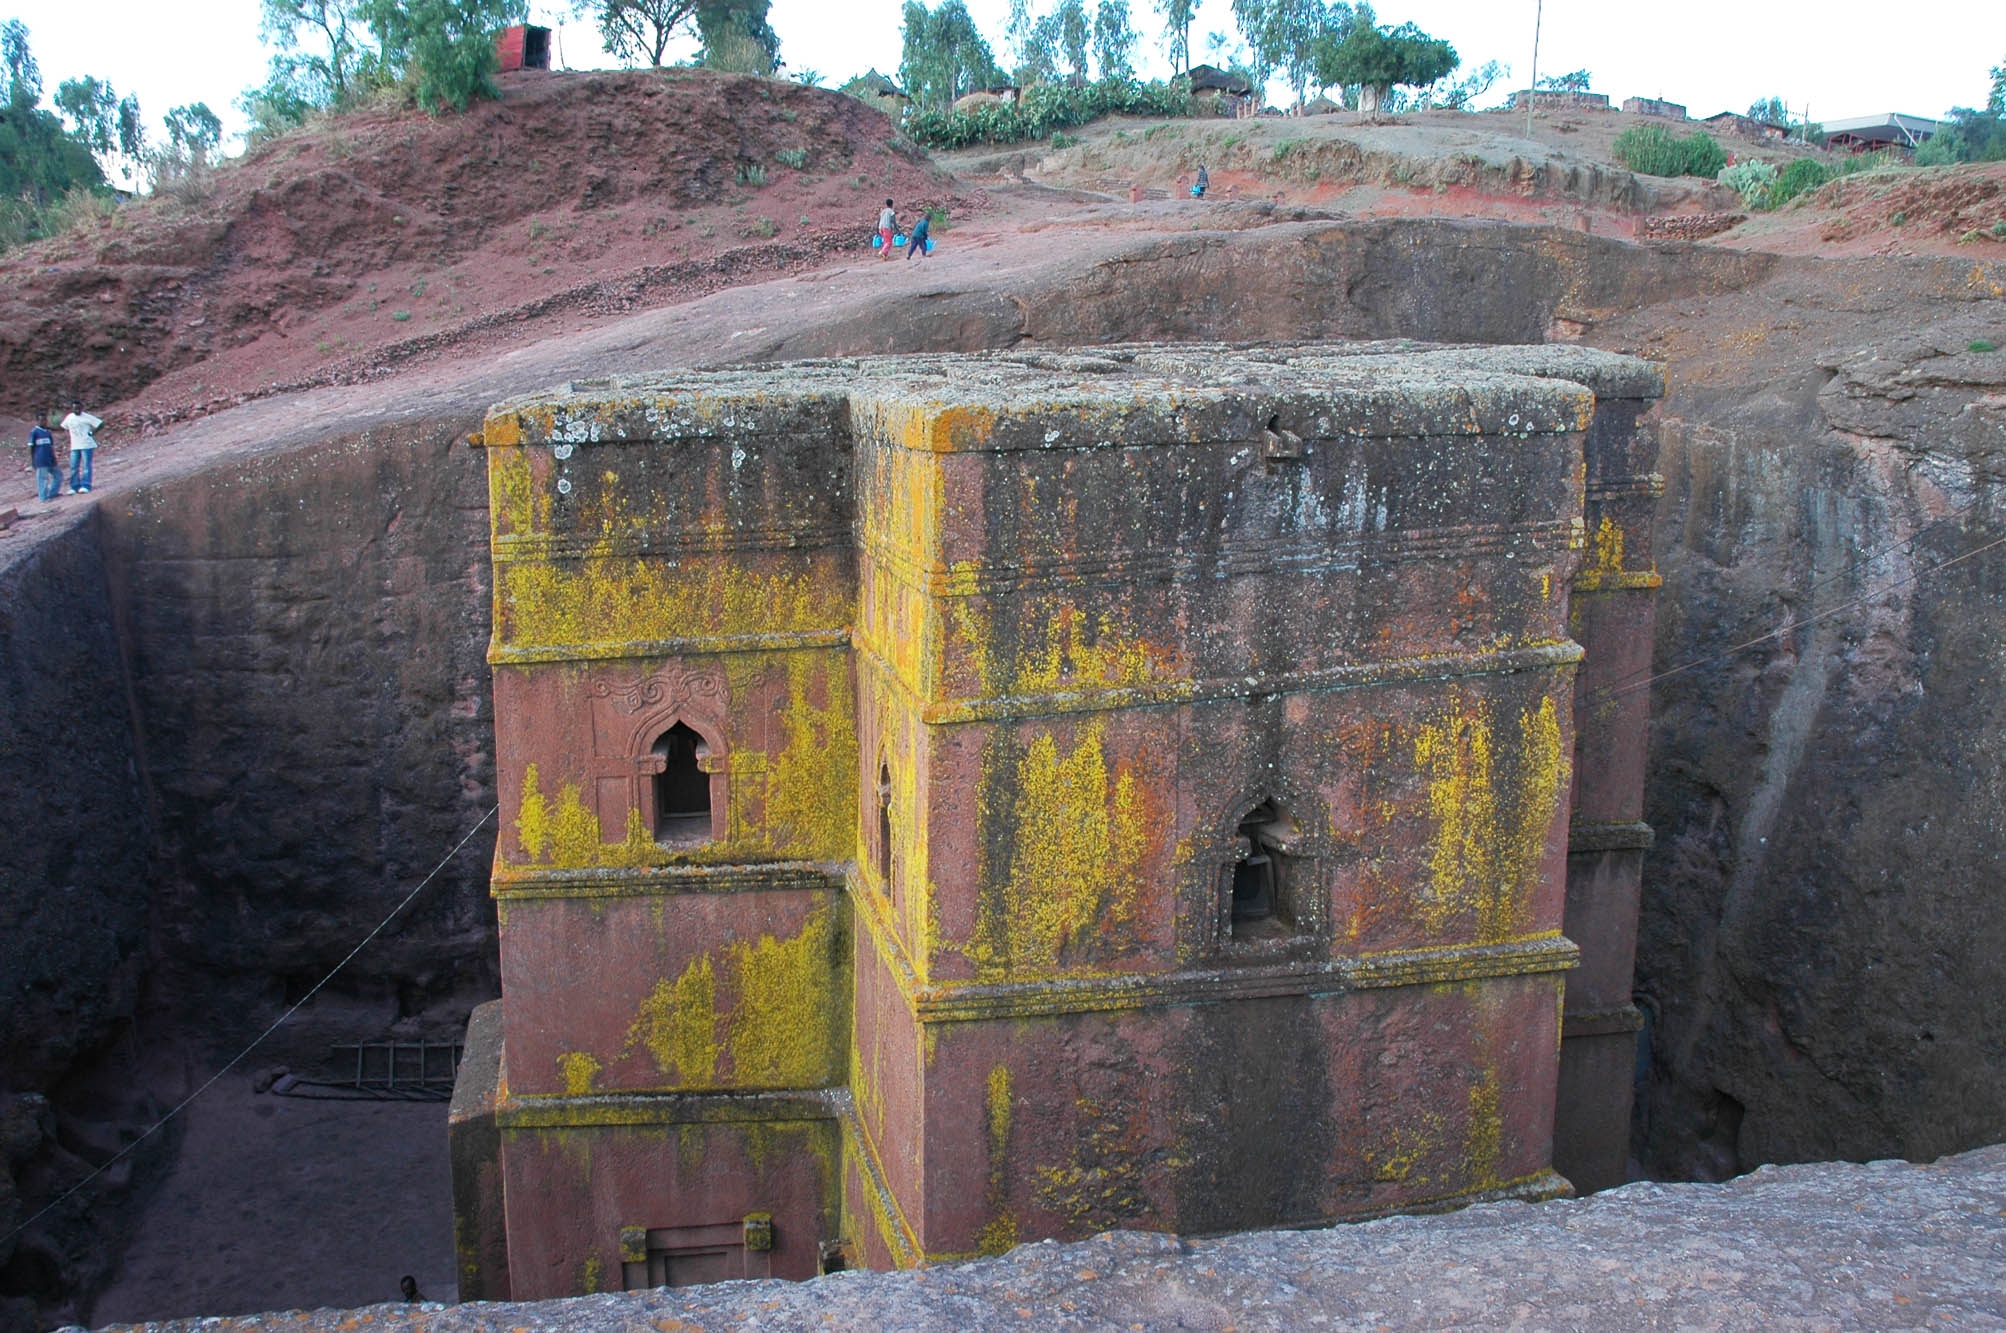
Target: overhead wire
[[1622, 683], [1613, 692], [257, 1041]]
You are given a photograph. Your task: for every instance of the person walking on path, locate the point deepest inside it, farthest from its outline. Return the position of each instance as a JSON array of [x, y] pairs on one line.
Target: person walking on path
[[915, 247], [1203, 183], [83, 443], [888, 223], [42, 457]]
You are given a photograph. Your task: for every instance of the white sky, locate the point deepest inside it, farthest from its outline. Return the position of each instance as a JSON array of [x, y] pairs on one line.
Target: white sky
[[1843, 58]]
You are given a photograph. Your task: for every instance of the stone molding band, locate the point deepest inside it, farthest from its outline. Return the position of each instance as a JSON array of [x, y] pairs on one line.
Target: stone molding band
[[980, 578], [1400, 671], [1591, 838], [1601, 1022]]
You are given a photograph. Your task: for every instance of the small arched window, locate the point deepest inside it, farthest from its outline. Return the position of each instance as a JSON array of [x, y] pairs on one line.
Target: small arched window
[[682, 788], [1258, 882], [884, 848]]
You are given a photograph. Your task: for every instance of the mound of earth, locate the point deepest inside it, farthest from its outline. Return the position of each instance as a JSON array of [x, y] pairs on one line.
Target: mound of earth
[[326, 254]]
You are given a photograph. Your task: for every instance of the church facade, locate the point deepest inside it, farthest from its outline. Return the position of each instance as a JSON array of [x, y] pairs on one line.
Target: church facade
[[953, 801]]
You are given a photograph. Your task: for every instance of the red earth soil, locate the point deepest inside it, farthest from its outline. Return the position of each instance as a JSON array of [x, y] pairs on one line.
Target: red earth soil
[[335, 251]]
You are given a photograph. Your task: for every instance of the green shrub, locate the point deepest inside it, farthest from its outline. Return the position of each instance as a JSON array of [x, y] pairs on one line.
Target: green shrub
[[1060, 139], [1797, 177], [796, 158], [1656, 151], [400, 315], [1982, 345], [750, 173], [1751, 180], [1045, 109]]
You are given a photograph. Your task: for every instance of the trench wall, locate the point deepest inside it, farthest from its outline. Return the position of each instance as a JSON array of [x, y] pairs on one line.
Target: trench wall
[[307, 726]]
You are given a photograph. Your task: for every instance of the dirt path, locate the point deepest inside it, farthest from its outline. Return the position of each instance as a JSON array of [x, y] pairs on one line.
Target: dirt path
[[280, 1202]]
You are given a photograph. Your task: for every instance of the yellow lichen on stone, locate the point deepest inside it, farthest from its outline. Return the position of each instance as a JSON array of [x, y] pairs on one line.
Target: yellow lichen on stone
[[579, 1068], [1080, 836], [532, 826], [1410, 1139], [677, 1024], [544, 604], [999, 1234], [1605, 547], [1492, 813], [767, 1013], [595, 1273], [1485, 1132], [782, 1028], [811, 790]]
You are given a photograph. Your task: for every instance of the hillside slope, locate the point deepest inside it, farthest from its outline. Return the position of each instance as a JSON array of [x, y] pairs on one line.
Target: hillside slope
[[323, 255]]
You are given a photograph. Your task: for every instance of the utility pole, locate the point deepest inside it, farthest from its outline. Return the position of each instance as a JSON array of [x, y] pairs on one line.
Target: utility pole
[[1532, 90]]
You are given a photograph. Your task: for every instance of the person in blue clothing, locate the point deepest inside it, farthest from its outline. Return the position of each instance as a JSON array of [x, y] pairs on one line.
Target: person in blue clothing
[[82, 427], [42, 457], [916, 243]]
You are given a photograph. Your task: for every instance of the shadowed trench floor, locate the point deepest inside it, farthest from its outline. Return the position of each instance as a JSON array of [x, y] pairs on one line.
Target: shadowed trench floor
[[281, 1202]]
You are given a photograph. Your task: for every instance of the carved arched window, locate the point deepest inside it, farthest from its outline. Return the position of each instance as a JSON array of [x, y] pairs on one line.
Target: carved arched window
[[682, 789], [1262, 886], [884, 847]]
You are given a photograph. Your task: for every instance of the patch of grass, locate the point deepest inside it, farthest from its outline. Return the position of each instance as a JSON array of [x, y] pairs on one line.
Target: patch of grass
[[764, 228], [796, 158], [936, 220], [418, 287], [1796, 178], [750, 173], [1982, 345], [1060, 139], [400, 315], [1898, 219], [1999, 229], [1656, 151], [537, 231], [1283, 149]]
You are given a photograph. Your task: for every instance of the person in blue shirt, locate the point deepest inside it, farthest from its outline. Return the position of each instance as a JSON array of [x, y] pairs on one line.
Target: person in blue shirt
[[916, 243], [42, 457]]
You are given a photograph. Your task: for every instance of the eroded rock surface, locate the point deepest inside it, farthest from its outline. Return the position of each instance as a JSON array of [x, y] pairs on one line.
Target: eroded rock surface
[[1886, 1245]]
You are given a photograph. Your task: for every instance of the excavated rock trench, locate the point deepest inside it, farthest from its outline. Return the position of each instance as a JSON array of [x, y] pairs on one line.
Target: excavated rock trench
[[247, 700]]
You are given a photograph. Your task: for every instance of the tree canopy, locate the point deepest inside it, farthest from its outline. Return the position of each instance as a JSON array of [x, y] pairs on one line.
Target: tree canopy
[[945, 55], [1177, 17], [445, 48], [1376, 60]]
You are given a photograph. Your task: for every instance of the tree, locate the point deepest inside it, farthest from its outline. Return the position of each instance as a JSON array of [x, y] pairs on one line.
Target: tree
[[444, 48], [24, 76], [1377, 60], [945, 56], [1177, 16], [637, 30], [91, 106], [1769, 110], [39, 160], [1114, 40], [319, 46], [1459, 95], [1996, 103], [737, 37], [1286, 34], [1579, 81], [194, 129], [1075, 34]]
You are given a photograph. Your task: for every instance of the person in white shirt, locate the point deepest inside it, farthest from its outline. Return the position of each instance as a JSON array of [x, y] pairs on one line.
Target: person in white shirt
[[82, 427], [888, 222]]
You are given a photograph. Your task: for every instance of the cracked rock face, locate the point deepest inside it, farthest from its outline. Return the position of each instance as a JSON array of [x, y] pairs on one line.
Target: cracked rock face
[[1886, 1245]]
